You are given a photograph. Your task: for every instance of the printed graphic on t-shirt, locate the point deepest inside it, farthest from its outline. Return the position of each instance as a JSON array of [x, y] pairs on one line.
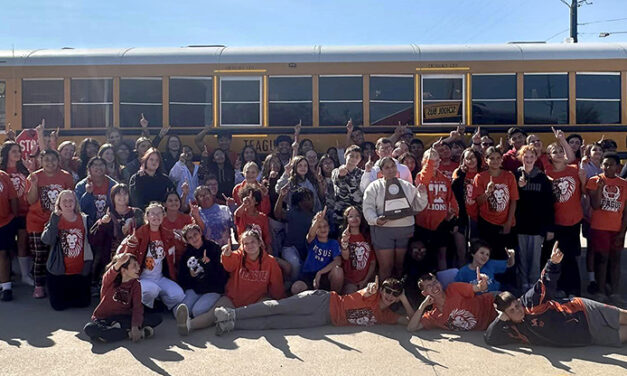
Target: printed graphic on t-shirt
[[321, 254], [195, 269], [499, 199], [19, 183], [469, 189], [71, 242], [101, 205], [611, 196], [253, 275], [48, 195], [563, 188], [358, 253], [155, 254], [122, 295], [460, 319], [439, 191], [361, 317]]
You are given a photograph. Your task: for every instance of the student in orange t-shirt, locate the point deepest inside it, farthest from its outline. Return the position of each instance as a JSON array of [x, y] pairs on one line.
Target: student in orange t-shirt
[[42, 187], [458, 309], [11, 163], [496, 193], [174, 221], [366, 307], [66, 233], [358, 257], [608, 224], [248, 215], [568, 182], [435, 222], [254, 274], [8, 229]]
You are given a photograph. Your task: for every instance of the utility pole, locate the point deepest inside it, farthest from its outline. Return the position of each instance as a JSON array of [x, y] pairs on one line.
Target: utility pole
[[574, 4]]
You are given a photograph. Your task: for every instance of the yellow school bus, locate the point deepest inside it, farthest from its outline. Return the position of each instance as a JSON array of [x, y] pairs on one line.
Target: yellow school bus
[[257, 93]]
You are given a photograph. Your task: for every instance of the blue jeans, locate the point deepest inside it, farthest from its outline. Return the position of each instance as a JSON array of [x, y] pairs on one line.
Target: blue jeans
[[530, 249], [292, 256], [199, 304]]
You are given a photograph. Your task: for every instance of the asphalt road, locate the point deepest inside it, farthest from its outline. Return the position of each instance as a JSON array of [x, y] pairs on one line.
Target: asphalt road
[[35, 340]]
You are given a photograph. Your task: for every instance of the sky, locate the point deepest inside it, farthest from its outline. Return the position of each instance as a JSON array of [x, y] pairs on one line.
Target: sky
[[34, 24]]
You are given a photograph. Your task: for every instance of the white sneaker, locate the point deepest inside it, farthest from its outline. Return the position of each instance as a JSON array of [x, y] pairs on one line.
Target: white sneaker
[[223, 327], [27, 280], [182, 319], [224, 314]]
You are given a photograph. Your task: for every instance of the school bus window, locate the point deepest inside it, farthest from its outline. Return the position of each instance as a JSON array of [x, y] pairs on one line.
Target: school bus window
[[546, 98], [341, 98], [391, 100], [240, 101], [3, 91], [191, 101], [141, 95], [493, 99], [290, 100], [598, 98], [92, 102], [42, 99], [442, 99]]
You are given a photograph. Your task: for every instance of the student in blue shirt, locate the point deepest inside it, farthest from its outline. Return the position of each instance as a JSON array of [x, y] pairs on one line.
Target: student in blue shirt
[[480, 253], [323, 266]]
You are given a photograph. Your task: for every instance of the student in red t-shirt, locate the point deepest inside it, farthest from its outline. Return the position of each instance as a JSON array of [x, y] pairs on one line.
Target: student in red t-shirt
[[358, 258], [458, 309], [8, 229], [121, 303], [11, 163], [568, 182], [366, 307], [608, 195], [251, 174], [435, 222], [66, 233], [254, 274], [42, 187], [174, 221], [447, 166], [496, 193], [247, 215]]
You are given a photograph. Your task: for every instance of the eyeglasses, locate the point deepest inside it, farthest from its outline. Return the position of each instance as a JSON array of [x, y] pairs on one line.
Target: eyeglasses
[[392, 292], [487, 143]]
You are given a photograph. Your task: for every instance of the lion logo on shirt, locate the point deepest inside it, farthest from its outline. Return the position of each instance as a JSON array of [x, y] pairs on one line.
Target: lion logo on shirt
[[48, 195], [71, 242], [122, 295], [499, 199], [461, 320], [101, 205], [611, 195], [361, 317], [469, 190], [563, 188], [18, 184], [359, 255]]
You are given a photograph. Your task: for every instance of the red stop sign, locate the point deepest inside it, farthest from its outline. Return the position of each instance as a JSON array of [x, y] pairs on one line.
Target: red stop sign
[[27, 139]]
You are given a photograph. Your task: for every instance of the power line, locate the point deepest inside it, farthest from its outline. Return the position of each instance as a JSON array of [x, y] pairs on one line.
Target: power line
[[556, 34], [602, 21]]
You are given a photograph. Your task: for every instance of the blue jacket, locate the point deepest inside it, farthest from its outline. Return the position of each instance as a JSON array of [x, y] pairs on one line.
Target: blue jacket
[[88, 203]]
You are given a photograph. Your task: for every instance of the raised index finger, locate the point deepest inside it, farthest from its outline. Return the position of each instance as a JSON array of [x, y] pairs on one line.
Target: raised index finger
[[376, 281], [478, 274]]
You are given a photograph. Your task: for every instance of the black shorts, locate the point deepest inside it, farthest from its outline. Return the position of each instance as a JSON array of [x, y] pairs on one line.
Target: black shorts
[[7, 235], [437, 238]]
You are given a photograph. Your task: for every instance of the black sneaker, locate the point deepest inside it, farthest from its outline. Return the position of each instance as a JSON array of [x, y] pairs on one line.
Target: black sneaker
[[6, 295]]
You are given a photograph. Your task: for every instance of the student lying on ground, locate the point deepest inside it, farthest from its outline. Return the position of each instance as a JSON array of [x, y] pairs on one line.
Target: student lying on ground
[[537, 319], [456, 309], [365, 307]]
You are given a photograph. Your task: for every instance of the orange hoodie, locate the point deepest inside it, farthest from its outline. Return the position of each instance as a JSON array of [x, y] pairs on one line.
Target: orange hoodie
[[249, 284], [139, 249]]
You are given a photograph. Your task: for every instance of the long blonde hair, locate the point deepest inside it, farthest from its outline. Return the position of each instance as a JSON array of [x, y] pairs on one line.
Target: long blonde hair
[[57, 204]]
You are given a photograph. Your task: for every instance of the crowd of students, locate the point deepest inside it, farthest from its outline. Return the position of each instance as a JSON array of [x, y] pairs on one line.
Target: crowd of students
[[300, 238]]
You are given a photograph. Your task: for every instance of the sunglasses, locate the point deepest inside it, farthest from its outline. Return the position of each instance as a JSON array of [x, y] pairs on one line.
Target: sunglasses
[[487, 143], [392, 292]]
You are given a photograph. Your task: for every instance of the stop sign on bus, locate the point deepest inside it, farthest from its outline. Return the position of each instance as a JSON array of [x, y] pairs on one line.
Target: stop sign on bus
[[27, 139]]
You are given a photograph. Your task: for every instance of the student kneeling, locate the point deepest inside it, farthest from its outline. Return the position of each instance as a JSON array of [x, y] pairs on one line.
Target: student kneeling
[[537, 319]]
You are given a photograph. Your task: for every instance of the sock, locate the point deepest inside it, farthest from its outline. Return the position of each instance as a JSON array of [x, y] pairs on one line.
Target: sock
[[591, 276], [6, 285], [26, 264]]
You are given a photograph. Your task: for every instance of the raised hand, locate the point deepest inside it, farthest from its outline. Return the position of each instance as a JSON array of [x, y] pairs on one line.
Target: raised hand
[[205, 152], [127, 227], [284, 190], [164, 131], [32, 177], [425, 303], [29, 164], [10, 132], [297, 128], [106, 218], [559, 134], [342, 170], [489, 189], [476, 137], [205, 259], [345, 237], [556, 254], [249, 201], [349, 126], [132, 237], [195, 210], [229, 200], [482, 281], [373, 287], [273, 174], [143, 122], [227, 249], [238, 164], [522, 181], [185, 188], [501, 145], [370, 164], [122, 260]]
